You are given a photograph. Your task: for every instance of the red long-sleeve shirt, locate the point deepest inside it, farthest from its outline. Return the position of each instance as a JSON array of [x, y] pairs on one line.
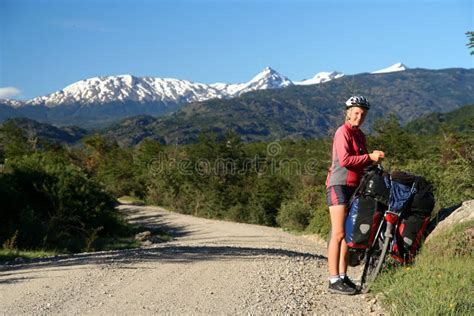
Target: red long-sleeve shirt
[[349, 157]]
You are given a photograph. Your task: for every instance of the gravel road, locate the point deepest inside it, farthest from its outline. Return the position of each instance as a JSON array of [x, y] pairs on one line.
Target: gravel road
[[209, 267]]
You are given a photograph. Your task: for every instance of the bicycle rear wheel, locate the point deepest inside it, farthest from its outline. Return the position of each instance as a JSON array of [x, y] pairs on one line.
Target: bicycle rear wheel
[[373, 264]]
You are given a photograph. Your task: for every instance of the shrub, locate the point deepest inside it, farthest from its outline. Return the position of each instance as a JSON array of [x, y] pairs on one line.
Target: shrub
[[266, 198], [320, 222], [453, 243], [294, 215], [51, 203], [114, 166]]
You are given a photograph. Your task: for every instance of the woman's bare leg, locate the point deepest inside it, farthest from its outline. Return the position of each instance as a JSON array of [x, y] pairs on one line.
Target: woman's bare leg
[[336, 250], [343, 257]]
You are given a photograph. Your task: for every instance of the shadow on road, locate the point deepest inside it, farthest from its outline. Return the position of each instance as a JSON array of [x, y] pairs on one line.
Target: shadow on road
[[162, 253], [171, 252], [154, 222]]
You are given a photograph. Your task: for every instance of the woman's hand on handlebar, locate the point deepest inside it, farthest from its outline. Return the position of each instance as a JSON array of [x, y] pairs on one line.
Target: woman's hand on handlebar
[[376, 155]]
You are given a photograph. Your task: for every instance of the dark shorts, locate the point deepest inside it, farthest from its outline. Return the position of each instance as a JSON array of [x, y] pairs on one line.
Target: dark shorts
[[339, 195]]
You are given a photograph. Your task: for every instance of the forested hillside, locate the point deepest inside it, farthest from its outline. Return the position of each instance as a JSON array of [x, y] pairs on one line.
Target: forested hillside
[[279, 183], [306, 111]]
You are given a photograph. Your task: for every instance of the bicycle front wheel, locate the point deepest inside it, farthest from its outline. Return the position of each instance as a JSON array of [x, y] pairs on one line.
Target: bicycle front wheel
[[373, 265]]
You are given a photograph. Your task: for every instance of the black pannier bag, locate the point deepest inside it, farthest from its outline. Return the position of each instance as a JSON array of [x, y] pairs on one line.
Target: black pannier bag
[[375, 184], [408, 236], [361, 222], [423, 203], [355, 256], [403, 177], [414, 223]]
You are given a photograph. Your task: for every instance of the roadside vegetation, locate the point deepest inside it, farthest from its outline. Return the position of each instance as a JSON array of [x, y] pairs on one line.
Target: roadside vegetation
[[62, 198], [439, 282]]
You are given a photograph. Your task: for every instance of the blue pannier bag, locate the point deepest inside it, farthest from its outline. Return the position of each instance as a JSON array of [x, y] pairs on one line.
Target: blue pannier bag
[[361, 222], [400, 196]]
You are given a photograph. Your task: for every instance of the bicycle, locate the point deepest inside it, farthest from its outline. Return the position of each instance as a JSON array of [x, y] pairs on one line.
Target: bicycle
[[394, 196], [376, 253]]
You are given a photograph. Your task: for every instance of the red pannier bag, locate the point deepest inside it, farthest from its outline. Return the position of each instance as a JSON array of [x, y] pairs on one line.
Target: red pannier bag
[[413, 224]]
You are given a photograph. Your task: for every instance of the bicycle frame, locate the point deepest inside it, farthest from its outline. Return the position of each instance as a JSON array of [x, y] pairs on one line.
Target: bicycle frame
[[373, 264], [391, 218]]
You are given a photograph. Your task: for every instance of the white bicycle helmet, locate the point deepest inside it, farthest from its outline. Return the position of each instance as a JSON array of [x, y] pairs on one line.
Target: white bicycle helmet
[[359, 101]]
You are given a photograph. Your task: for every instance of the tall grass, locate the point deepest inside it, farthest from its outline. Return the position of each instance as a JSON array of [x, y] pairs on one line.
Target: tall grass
[[12, 254], [440, 282]]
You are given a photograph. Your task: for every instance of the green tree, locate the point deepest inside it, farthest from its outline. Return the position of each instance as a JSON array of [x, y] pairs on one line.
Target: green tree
[[399, 145], [112, 165], [269, 191], [13, 141], [147, 153], [51, 203], [470, 36], [148, 159]]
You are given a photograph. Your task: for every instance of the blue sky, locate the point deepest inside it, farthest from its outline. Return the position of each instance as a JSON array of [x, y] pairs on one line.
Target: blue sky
[[46, 45]]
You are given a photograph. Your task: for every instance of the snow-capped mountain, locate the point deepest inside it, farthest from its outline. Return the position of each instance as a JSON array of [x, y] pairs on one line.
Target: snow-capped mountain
[[394, 68], [267, 79], [127, 88], [12, 103], [123, 88], [103, 99], [321, 77]]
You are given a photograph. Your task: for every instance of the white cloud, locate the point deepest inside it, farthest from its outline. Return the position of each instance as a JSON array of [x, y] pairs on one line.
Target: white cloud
[[9, 92]]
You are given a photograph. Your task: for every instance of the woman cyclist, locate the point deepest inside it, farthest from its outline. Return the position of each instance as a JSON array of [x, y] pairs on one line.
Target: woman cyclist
[[349, 157]]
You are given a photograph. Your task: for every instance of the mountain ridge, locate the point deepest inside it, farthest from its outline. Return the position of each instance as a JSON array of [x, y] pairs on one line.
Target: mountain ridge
[[140, 100], [459, 120], [308, 111], [122, 88], [106, 89]]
